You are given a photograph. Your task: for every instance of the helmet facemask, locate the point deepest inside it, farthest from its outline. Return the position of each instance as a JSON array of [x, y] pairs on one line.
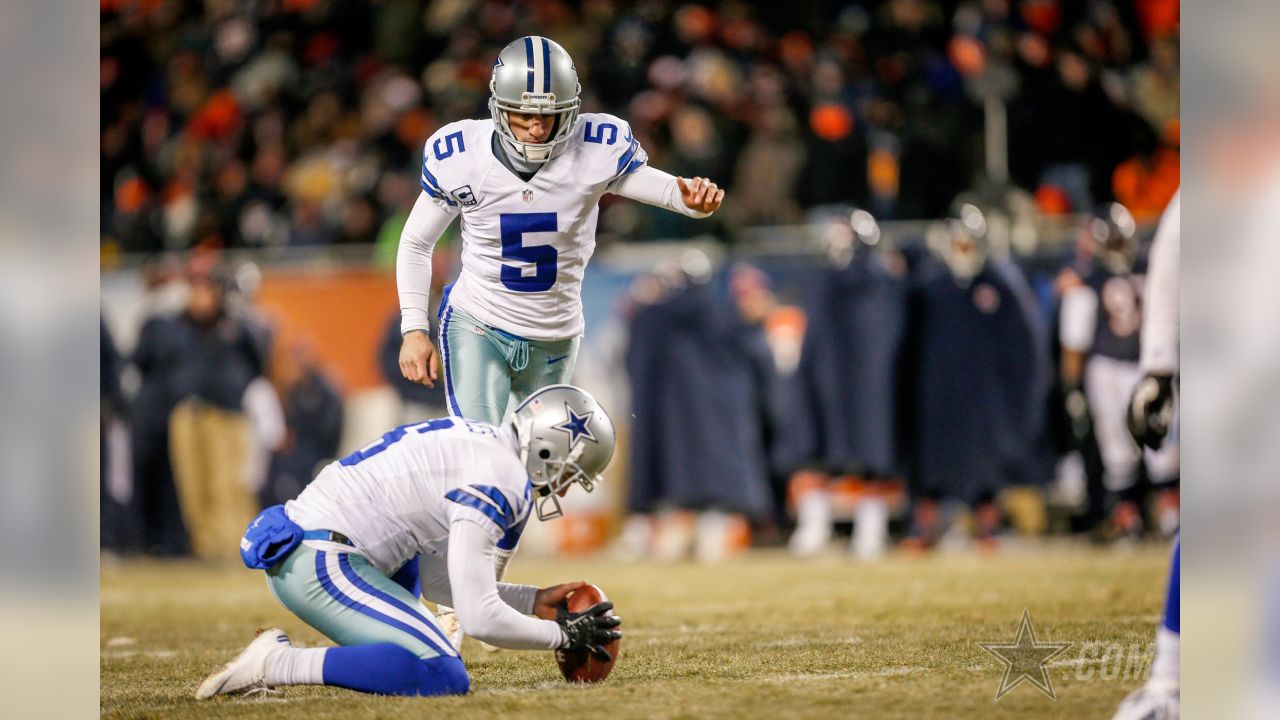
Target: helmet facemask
[[566, 120]]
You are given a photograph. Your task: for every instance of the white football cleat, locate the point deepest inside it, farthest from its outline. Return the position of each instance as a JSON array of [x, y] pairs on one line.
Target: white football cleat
[[1153, 701], [813, 524], [450, 625], [809, 540], [870, 529], [675, 535], [247, 671]]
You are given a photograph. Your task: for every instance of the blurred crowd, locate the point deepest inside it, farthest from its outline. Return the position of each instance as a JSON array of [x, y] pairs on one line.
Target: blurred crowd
[[238, 123]]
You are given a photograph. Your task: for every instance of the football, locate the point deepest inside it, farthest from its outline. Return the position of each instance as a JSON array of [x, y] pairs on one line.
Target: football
[[580, 666]]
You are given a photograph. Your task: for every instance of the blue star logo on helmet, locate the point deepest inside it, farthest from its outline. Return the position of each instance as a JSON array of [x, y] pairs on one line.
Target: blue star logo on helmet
[[576, 425]]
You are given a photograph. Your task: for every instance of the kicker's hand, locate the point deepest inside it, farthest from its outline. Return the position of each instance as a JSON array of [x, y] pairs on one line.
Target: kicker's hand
[[418, 360], [700, 194], [1151, 410], [590, 629]]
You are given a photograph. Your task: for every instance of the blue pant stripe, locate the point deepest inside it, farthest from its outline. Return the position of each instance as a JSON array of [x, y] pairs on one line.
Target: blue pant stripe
[[448, 372], [344, 562], [326, 582]]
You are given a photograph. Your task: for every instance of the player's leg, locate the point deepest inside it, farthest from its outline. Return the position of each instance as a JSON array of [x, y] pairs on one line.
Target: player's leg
[[870, 538], [1159, 697], [1163, 467], [187, 450], [811, 498], [1108, 383], [232, 504], [1168, 637], [389, 642], [477, 381]]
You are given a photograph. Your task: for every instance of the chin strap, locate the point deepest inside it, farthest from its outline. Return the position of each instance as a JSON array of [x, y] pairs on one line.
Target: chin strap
[[575, 452], [528, 149]]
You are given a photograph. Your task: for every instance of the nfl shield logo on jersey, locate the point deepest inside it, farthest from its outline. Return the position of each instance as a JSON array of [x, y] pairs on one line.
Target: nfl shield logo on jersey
[[527, 196]]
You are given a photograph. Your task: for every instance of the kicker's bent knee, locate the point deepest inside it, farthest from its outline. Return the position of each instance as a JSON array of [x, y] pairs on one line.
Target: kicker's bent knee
[[449, 676]]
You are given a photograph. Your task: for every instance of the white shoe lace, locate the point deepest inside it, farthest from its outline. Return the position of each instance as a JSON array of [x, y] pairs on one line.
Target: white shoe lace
[[261, 691]]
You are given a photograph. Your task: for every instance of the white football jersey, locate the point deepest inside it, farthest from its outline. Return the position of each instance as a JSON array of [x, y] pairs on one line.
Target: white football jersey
[[396, 497], [525, 245]]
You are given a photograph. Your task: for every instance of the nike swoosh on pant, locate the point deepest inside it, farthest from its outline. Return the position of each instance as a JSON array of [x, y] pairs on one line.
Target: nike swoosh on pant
[[554, 360]]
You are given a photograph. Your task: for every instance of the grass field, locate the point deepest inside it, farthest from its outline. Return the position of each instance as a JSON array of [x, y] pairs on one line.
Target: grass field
[[765, 636]]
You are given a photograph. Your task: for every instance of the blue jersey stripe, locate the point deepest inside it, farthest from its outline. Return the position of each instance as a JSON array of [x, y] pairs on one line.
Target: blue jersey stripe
[[435, 193], [546, 65], [432, 186], [528, 58], [468, 500], [627, 156], [431, 179], [495, 495], [326, 582], [632, 167], [426, 173], [511, 537]]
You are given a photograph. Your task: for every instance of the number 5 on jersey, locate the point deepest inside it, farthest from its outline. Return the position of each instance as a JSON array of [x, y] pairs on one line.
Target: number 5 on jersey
[[513, 227]]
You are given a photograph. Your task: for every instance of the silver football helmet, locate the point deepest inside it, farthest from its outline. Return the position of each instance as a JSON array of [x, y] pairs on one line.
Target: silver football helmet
[[965, 247], [1115, 237], [565, 437], [845, 241], [535, 76]]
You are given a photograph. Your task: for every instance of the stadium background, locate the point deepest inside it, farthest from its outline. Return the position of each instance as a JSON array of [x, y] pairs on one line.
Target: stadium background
[[278, 142]]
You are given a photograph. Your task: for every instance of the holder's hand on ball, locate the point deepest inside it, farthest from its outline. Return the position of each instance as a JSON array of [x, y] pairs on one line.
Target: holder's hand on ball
[[590, 629]]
